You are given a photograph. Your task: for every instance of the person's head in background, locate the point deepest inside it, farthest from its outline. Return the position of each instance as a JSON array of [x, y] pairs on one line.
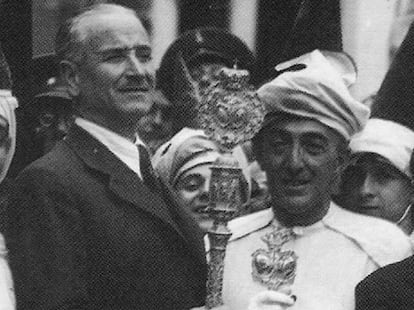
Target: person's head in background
[[184, 164], [51, 114], [378, 181], [155, 127], [8, 105], [192, 63]]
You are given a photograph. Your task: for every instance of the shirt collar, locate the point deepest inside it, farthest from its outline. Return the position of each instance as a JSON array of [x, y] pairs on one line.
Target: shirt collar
[[244, 225], [124, 149], [302, 230]]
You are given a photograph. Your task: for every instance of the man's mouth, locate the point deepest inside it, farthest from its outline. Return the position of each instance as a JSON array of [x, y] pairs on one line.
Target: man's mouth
[[368, 207], [295, 182], [201, 209], [134, 88]]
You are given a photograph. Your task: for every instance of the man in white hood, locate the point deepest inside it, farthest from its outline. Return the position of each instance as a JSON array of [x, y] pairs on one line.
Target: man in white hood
[[8, 104], [302, 147]]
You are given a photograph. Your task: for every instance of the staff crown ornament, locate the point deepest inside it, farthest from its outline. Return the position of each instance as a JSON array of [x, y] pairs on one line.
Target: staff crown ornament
[[230, 111]]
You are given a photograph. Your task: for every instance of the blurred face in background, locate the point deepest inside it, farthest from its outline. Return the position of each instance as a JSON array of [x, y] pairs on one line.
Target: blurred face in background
[[52, 123], [193, 192], [185, 163], [371, 185], [206, 73], [155, 127]]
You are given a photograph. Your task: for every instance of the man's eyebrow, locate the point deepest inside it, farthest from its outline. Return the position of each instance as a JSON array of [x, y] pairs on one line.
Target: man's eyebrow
[[316, 135], [114, 49]]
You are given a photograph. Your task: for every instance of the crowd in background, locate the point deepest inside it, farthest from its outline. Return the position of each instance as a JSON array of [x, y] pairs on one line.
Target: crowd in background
[[112, 210]]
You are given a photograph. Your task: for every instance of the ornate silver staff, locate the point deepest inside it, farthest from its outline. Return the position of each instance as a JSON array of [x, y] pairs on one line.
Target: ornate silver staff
[[230, 114]]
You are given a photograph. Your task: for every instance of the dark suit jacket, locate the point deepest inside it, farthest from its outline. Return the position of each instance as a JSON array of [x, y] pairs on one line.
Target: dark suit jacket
[[388, 288], [85, 233]]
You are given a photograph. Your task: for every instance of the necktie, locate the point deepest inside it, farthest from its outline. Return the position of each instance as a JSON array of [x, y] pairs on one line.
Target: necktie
[[147, 172]]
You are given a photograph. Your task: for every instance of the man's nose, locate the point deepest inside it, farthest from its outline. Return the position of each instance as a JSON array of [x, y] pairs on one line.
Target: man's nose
[[367, 186], [136, 66], [294, 159], [158, 117], [204, 192], [64, 125]]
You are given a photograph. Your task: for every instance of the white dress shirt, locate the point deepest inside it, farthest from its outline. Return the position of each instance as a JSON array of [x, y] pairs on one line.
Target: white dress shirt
[[120, 146]]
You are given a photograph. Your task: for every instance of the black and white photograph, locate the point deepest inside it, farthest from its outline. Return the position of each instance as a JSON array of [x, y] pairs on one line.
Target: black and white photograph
[[207, 155]]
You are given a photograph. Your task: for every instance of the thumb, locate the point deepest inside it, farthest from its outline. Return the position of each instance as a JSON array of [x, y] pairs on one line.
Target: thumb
[[270, 300]]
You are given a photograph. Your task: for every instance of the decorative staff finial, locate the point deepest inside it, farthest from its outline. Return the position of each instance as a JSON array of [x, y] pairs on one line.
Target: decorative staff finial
[[230, 113]]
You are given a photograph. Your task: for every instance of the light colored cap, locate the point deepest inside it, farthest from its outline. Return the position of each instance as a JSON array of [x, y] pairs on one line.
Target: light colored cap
[[389, 139], [190, 148], [318, 90], [8, 105]]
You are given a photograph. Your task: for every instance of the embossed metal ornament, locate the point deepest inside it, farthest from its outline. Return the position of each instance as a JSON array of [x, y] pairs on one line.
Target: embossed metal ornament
[[275, 267], [230, 111]]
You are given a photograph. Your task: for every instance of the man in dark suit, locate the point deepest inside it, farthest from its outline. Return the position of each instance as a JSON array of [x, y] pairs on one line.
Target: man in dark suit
[[85, 231], [389, 288]]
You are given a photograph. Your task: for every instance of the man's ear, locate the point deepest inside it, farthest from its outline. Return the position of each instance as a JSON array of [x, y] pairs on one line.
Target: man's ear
[[412, 163], [69, 72], [8, 143], [343, 157]]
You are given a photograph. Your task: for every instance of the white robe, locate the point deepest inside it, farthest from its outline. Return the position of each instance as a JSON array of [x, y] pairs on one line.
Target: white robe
[[7, 299], [334, 254]]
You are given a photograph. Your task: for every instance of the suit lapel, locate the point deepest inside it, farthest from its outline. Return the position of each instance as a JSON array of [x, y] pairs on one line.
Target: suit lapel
[[122, 181]]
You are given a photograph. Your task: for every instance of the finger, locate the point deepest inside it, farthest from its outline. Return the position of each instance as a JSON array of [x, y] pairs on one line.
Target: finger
[[285, 289], [274, 298]]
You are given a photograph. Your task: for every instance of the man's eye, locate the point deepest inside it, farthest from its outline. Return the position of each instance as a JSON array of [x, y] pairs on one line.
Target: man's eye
[[144, 57], [191, 187], [114, 57], [315, 147], [278, 144], [384, 176], [47, 119], [353, 175], [191, 183]]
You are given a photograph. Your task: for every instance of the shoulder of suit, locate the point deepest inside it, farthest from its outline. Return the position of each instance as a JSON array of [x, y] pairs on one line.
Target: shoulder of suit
[[383, 241], [59, 161]]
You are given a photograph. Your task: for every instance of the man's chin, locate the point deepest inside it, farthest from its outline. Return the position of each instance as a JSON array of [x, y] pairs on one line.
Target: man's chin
[[295, 205], [135, 107], [138, 98]]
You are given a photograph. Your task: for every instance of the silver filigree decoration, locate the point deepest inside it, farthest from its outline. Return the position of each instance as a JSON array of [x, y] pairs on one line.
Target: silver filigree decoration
[[230, 111], [275, 267]]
